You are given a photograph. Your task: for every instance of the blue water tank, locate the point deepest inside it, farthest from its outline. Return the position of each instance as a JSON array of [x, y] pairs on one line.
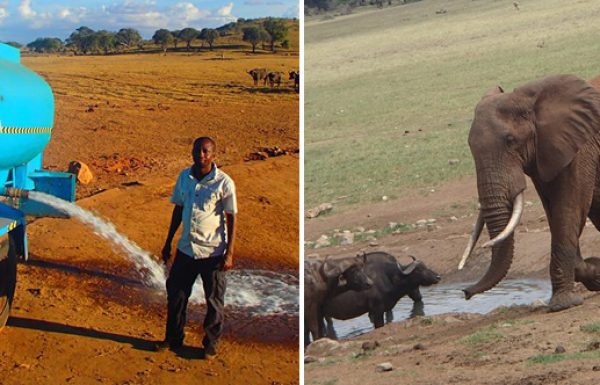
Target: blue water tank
[[26, 113]]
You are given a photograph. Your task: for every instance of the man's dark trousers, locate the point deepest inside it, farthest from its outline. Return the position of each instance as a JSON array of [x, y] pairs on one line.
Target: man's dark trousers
[[181, 279]]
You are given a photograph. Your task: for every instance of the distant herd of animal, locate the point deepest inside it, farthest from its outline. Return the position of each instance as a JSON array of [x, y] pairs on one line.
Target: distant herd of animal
[[273, 77]]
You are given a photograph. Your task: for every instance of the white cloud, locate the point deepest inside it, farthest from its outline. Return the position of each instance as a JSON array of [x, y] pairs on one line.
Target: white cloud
[[25, 10], [225, 10], [131, 14], [292, 12], [190, 11], [73, 15], [61, 18], [185, 13], [3, 13], [35, 19], [253, 3]]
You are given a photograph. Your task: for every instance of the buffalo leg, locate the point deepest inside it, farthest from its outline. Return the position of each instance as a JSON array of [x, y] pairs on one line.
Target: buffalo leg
[[376, 318], [330, 329], [389, 316]]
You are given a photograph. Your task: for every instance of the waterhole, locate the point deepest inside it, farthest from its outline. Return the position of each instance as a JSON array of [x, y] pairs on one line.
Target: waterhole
[[440, 299]]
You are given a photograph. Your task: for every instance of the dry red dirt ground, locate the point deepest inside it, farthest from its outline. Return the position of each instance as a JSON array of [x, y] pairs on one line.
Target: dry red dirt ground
[[81, 315]]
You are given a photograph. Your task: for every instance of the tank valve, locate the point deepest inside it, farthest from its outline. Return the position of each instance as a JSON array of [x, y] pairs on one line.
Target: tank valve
[[14, 192]]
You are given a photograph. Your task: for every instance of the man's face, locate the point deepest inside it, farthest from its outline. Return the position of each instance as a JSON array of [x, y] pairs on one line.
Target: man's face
[[203, 153]]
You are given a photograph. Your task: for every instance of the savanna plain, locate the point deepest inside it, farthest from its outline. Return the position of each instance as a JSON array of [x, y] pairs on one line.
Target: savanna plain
[[81, 314], [390, 96]]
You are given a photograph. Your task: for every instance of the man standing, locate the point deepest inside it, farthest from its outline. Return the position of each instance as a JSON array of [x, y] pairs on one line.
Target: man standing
[[205, 203]]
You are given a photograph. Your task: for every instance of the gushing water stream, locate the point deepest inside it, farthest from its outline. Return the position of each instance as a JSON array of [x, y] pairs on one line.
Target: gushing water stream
[[253, 291]]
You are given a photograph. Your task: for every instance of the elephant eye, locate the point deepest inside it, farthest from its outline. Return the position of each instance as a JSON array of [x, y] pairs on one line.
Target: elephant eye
[[509, 139]]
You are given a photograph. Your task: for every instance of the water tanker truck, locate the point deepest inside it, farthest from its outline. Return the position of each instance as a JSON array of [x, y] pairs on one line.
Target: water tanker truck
[[26, 122]]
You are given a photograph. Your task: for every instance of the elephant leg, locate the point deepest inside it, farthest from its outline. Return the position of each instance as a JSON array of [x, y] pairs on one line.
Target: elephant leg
[[568, 209]]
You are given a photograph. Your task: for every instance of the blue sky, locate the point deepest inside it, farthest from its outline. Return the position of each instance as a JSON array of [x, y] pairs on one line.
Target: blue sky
[[25, 20]]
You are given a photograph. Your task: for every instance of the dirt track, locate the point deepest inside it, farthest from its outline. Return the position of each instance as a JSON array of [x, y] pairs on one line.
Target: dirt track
[[81, 314]]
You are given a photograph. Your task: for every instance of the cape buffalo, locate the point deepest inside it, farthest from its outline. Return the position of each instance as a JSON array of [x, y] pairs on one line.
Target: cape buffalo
[[326, 278], [259, 74], [391, 281], [274, 78], [295, 76]]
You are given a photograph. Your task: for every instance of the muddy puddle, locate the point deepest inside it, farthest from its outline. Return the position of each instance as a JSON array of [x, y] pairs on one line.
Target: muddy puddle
[[449, 298], [255, 292]]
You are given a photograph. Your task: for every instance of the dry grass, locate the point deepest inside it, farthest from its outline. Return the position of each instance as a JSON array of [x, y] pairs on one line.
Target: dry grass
[[373, 75], [161, 103]]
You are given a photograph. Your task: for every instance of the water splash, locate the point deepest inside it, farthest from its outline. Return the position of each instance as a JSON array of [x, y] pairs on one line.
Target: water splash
[[153, 274], [254, 291], [261, 291]]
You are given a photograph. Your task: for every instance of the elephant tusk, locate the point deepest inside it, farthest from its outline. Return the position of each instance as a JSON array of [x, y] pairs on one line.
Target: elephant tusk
[[472, 241], [512, 223]]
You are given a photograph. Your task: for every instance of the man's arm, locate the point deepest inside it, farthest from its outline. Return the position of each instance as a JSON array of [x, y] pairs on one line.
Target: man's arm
[[230, 219], [175, 222]]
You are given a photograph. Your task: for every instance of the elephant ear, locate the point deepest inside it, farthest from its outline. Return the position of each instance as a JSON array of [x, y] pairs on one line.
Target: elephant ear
[[567, 115], [493, 91]]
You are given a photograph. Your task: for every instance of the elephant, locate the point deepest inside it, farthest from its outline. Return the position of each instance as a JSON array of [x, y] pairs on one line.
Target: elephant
[[391, 281], [325, 278], [549, 130], [274, 78], [259, 74]]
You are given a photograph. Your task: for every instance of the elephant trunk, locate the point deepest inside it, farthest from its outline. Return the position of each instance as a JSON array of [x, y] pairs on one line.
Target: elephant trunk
[[497, 218]]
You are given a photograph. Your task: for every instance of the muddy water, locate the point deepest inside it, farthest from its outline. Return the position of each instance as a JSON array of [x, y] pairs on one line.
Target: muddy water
[[253, 291], [449, 298]]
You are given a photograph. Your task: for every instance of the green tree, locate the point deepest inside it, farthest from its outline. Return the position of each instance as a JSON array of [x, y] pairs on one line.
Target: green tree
[[128, 37], [264, 37], [176, 39], [106, 40], [46, 45], [209, 35], [14, 44], [81, 39], [163, 38], [276, 29], [253, 36], [91, 43], [188, 35]]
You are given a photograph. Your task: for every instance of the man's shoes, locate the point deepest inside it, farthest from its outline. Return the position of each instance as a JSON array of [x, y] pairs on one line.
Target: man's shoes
[[164, 345], [209, 352]]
